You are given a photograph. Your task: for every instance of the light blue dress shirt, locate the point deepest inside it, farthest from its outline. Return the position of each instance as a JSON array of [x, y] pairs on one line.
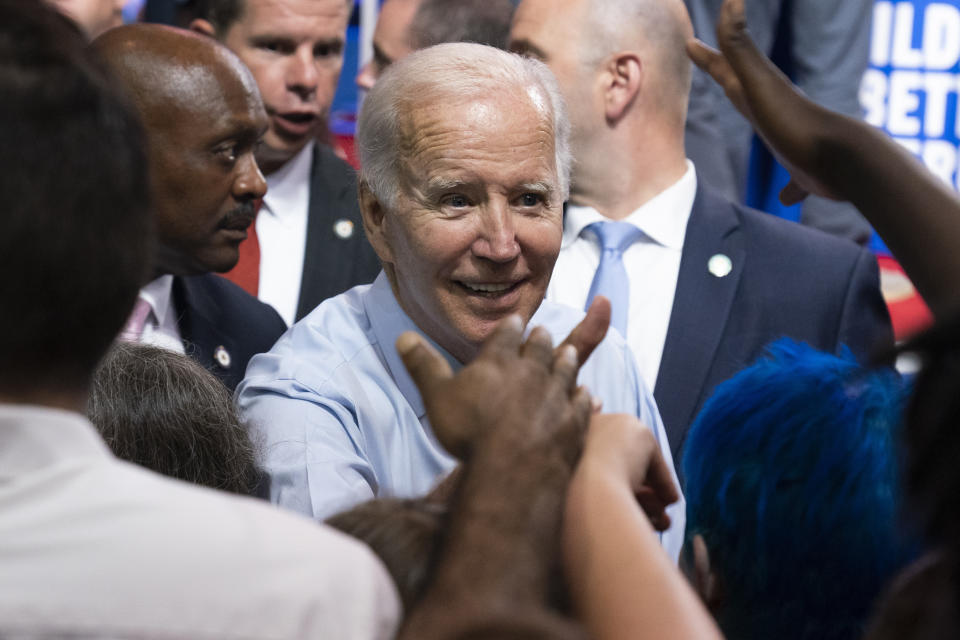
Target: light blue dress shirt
[[340, 420]]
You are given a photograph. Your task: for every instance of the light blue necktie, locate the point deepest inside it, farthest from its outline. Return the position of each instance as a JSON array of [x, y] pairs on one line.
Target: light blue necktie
[[611, 278]]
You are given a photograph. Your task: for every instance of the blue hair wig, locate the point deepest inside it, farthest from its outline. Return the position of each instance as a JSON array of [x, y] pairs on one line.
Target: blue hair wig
[[792, 482]]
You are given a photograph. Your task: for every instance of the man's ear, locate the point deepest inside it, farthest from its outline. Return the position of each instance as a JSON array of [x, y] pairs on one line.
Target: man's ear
[[704, 578], [199, 25], [374, 219], [622, 82]]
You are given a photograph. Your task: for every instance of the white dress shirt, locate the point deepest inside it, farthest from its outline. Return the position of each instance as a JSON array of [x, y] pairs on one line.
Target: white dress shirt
[[93, 547], [652, 263], [160, 328], [282, 232]]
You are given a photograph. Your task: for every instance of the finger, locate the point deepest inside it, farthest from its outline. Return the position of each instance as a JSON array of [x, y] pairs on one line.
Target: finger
[[505, 339], [708, 59], [792, 193], [565, 367], [654, 508], [427, 367], [590, 332], [539, 348], [659, 479], [597, 404]]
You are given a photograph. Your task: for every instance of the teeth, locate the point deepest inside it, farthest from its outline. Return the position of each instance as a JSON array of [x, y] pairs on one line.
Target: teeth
[[487, 288]]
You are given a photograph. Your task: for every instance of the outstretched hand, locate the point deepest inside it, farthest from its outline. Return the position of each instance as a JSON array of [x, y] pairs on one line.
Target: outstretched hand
[[520, 392], [786, 120], [621, 446]]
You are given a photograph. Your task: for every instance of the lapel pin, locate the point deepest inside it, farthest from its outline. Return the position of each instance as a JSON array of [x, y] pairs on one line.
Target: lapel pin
[[343, 228], [222, 356], [719, 265]]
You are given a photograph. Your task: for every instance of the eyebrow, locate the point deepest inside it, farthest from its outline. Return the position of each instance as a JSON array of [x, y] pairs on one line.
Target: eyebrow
[[525, 47], [382, 59]]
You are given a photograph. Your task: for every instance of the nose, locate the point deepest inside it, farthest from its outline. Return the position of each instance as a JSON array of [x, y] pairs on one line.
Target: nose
[[302, 75], [366, 78], [249, 183], [498, 237]]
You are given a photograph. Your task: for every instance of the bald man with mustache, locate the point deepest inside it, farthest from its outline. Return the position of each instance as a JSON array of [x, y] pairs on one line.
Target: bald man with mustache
[[203, 118]]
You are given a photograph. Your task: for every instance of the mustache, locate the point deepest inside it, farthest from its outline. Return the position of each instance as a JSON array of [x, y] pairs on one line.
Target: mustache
[[241, 215]]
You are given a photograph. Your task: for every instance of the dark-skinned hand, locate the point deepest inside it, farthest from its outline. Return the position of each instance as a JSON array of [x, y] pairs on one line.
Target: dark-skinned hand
[[520, 393], [786, 120]]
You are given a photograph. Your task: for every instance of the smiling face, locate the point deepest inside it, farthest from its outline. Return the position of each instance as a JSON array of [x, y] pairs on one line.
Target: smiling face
[[294, 48], [202, 166], [475, 230]]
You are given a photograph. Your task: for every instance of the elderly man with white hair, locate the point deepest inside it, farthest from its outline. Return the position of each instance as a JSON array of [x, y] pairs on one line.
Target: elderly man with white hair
[[465, 159]]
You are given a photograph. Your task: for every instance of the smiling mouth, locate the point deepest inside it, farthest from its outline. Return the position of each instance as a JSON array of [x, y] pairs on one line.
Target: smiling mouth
[[490, 290]]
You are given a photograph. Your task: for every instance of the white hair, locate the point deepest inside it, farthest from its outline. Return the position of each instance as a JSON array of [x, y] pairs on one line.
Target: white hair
[[454, 70]]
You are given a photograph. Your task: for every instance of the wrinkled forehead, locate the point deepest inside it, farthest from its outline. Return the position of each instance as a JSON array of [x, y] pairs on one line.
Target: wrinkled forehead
[[496, 117]]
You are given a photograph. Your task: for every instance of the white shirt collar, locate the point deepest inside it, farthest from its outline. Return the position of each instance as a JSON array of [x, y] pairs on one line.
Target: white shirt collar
[[158, 294], [663, 218], [285, 185]]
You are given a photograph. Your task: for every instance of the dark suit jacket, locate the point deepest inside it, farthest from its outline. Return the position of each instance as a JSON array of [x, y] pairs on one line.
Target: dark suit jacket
[[787, 280], [216, 317], [332, 264]]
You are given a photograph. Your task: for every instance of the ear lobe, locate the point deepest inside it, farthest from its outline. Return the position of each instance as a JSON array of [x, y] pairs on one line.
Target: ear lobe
[[201, 26], [374, 218], [705, 579], [624, 81]]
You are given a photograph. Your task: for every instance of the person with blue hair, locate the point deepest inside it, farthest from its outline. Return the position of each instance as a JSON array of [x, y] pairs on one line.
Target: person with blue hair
[[792, 495]]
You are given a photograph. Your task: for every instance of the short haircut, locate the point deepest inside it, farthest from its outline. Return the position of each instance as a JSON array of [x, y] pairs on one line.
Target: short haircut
[[618, 25], [453, 70], [405, 535], [165, 412], [792, 482], [223, 14], [480, 21], [76, 239]]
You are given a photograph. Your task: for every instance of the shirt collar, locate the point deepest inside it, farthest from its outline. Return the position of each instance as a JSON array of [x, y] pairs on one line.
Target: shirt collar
[[286, 185], [34, 437], [388, 320], [158, 294], [663, 218]]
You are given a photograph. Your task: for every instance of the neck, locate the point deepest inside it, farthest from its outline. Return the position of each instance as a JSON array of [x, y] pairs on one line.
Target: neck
[[629, 167]]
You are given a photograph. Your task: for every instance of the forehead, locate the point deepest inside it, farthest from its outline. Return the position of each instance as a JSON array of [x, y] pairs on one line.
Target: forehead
[[211, 101], [299, 19], [393, 25], [508, 140], [543, 29]]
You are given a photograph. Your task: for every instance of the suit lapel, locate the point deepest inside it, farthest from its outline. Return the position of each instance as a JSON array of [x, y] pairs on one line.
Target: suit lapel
[[701, 307], [198, 319], [325, 257]]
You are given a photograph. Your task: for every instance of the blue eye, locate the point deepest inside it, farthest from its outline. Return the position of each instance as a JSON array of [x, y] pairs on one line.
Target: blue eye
[[457, 201], [531, 199]]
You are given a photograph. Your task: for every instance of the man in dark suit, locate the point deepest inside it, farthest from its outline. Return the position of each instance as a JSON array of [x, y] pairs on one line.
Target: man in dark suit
[[203, 118], [309, 242], [698, 285]]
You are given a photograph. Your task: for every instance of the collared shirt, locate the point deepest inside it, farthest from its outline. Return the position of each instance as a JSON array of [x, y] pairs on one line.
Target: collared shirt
[[282, 232], [341, 421], [93, 547], [653, 264], [161, 329]]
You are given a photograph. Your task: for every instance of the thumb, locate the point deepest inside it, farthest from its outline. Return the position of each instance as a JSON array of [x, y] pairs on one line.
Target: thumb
[[427, 367]]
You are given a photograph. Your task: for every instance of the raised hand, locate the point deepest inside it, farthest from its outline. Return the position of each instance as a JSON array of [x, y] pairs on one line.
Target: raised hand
[[522, 392]]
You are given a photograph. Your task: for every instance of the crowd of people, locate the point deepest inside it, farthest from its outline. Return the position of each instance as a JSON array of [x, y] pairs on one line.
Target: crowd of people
[[524, 374]]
